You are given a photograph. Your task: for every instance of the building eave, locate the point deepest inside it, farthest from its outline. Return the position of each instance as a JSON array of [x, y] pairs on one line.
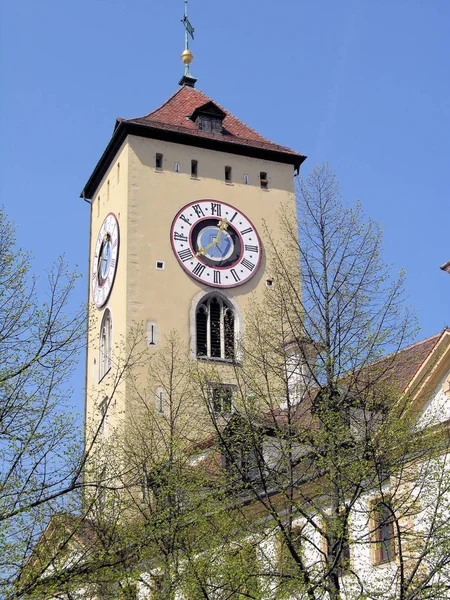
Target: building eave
[[124, 129]]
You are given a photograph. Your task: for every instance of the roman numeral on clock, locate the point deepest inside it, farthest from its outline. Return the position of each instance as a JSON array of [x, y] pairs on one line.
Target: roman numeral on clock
[[180, 237], [233, 217], [245, 231], [198, 270], [185, 254], [247, 264], [113, 263], [216, 209], [216, 276], [251, 248], [235, 275], [185, 219], [198, 210]]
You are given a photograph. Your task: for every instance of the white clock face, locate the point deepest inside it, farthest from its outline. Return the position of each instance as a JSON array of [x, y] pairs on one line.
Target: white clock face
[[216, 243], [105, 260]]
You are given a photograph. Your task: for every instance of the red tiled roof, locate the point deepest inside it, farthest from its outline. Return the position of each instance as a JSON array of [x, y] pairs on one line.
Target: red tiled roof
[[174, 115]]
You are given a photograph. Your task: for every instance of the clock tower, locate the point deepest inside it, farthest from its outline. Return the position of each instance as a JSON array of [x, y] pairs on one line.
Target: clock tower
[[179, 201]]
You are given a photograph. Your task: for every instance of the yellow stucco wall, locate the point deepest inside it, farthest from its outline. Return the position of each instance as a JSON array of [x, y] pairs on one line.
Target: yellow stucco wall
[[145, 202]]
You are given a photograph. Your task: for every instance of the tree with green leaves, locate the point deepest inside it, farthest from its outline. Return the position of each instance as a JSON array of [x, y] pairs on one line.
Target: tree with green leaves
[[40, 343]]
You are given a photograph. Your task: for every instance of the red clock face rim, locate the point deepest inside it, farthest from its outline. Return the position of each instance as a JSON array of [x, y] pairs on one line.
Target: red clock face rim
[[95, 282], [193, 275]]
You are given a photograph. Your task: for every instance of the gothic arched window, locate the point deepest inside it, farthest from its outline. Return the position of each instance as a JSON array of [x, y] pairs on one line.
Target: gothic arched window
[[105, 345], [215, 329]]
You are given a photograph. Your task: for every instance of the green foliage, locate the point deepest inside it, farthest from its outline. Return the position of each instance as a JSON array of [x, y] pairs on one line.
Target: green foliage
[[39, 346]]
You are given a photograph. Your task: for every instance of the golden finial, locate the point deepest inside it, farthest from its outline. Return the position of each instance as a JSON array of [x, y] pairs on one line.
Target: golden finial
[[187, 57]]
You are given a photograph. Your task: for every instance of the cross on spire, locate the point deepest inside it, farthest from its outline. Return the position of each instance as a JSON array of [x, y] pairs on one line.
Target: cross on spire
[[187, 56]]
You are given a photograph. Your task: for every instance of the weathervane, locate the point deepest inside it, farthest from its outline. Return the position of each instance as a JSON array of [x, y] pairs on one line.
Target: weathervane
[[187, 57]]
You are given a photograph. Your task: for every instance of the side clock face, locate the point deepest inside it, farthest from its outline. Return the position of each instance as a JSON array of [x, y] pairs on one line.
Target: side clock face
[[216, 243], [105, 260]]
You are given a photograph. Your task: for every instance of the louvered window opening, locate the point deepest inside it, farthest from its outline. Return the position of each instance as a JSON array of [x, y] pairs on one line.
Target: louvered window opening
[[215, 329], [209, 124]]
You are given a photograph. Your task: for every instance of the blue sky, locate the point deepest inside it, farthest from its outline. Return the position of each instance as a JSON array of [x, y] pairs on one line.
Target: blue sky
[[362, 84]]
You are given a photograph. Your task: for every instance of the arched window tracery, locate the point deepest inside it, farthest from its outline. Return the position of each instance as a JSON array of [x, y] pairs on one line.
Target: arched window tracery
[[105, 344], [215, 329]]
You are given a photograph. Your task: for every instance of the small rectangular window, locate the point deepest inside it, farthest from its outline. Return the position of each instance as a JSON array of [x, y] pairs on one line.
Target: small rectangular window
[[194, 168], [228, 174], [263, 180], [222, 399], [159, 162], [245, 179], [160, 265], [177, 167], [383, 532]]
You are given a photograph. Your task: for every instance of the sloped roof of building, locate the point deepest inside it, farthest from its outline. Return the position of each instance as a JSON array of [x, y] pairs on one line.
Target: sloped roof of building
[[172, 122], [407, 363]]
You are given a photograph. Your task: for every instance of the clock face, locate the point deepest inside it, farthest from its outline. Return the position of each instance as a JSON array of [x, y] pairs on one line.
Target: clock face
[[216, 243], [105, 260]]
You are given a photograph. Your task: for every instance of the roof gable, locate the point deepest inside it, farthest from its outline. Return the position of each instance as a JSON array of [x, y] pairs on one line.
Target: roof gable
[[211, 109]]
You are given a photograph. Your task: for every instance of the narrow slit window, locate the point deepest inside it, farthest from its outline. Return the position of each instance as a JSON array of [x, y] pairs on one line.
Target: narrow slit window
[[152, 334], [245, 179], [177, 167], [263, 180], [159, 162], [118, 172], [194, 168], [160, 401], [228, 174], [105, 345], [103, 416]]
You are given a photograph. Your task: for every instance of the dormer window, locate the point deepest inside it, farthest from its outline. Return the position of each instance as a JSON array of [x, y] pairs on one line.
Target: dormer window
[[209, 118]]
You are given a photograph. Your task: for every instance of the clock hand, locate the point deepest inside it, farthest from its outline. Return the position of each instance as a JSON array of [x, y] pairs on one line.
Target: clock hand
[[222, 226]]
